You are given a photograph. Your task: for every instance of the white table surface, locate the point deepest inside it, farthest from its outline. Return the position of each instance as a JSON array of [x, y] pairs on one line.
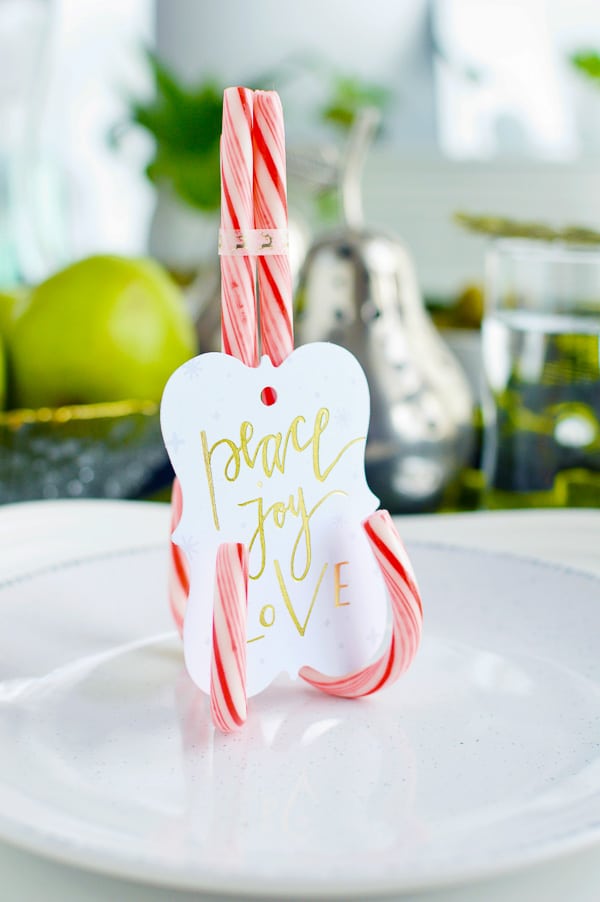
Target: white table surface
[[569, 537]]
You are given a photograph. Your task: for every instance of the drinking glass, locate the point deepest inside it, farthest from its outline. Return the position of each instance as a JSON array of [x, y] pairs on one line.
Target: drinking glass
[[541, 348]]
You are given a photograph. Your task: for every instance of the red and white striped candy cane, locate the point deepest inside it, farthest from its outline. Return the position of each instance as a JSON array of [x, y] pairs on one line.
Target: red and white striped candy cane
[[238, 273], [179, 574], [239, 339], [407, 617], [270, 212], [238, 276], [228, 704]]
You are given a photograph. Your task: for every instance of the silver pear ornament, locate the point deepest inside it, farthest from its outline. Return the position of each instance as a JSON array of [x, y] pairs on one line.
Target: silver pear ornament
[[358, 288]]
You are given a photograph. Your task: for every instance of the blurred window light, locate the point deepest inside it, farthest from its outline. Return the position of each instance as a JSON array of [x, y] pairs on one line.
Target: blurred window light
[[69, 71], [499, 81]]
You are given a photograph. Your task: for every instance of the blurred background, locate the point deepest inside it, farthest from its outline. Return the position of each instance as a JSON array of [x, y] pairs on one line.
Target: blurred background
[[484, 109], [489, 108]]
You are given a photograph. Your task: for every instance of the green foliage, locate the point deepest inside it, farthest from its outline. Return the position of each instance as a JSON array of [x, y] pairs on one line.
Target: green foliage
[[502, 227], [186, 124], [349, 95], [327, 204], [588, 63]]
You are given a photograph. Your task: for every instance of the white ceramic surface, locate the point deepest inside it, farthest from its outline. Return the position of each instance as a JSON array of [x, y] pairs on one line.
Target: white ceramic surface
[[485, 756]]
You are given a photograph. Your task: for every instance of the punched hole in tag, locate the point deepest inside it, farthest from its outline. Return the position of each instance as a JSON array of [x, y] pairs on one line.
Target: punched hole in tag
[[268, 396]]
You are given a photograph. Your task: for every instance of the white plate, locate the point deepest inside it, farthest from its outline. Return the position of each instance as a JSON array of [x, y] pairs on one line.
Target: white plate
[[484, 757]]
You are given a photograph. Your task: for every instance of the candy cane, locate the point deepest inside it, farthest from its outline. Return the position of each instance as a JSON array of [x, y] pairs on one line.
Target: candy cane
[[179, 574], [238, 273], [228, 704], [407, 617], [270, 212], [239, 338], [238, 300]]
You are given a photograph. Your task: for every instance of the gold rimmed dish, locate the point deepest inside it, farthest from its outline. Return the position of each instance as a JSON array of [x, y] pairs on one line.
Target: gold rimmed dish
[[109, 449]]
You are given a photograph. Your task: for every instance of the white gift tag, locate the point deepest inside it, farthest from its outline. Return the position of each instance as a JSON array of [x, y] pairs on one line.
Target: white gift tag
[[274, 458]]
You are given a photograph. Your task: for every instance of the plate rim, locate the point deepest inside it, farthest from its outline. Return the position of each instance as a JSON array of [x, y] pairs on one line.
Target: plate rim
[[147, 873]]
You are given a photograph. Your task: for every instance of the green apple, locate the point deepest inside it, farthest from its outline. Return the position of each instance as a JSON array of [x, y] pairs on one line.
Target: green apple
[[104, 329], [2, 375], [12, 303]]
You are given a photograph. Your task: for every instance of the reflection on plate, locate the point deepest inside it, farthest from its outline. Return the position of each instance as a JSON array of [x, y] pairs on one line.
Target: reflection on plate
[[483, 757]]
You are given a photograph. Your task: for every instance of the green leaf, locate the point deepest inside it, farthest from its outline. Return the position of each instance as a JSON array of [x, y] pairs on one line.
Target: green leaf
[[195, 179], [185, 124], [349, 96], [588, 63]]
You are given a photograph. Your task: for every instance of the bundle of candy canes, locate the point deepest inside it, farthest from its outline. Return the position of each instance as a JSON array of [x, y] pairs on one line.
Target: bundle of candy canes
[[257, 288]]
